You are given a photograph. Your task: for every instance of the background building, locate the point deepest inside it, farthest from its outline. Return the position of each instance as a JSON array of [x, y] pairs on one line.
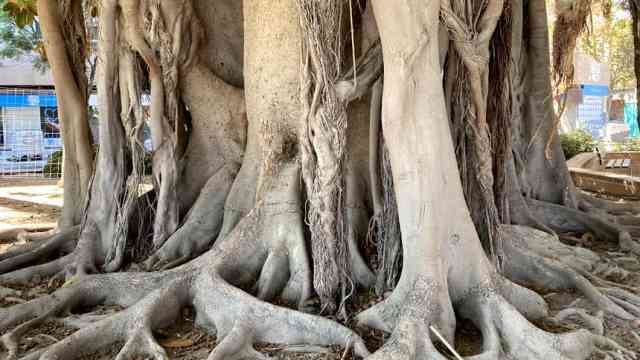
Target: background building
[[29, 124]]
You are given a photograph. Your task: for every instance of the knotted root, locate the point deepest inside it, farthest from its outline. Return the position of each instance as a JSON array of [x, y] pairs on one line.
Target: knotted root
[[37, 272], [202, 224], [537, 259], [63, 241], [594, 323], [564, 219], [506, 335], [30, 233], [154, 300]]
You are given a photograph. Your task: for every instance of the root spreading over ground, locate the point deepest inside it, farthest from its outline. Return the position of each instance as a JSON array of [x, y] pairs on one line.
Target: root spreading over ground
[[257, 224]]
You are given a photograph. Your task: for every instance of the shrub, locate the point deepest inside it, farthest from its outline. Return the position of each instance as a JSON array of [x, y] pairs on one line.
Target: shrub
[[53, 167], [628, 145], [576, 142]]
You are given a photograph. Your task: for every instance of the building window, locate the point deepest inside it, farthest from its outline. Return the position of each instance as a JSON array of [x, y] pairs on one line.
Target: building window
[[49, 122], [1, 128]]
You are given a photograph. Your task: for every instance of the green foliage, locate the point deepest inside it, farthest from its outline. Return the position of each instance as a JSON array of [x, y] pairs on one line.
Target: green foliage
[[148, 163], [628, 145], [53, 168], [610, 41], [23, 12], [20, 32], [576, 142]]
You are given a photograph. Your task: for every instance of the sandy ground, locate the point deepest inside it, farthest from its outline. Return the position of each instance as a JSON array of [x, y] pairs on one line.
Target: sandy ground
[[29, 202], [32, 203], [38, 202]]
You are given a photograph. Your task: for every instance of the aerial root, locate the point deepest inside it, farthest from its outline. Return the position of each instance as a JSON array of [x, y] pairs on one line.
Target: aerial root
[[357, 225], [202, 224], [274, 275]]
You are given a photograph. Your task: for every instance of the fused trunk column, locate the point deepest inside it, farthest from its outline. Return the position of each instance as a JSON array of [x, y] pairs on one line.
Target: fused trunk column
[[443, 262], [546, 171], [416, 131], [71, 88]]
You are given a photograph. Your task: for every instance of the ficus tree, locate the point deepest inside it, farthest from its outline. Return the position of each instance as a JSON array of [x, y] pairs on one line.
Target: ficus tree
[[280, 128]]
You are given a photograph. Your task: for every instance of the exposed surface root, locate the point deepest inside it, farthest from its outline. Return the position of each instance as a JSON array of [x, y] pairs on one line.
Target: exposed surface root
[[538, 259], [30, 233], [507, 336], [506, 333], [241, 320], [63, 242], [594, 323], [37, 272], [154, 300], [564, 219], [614, 207]]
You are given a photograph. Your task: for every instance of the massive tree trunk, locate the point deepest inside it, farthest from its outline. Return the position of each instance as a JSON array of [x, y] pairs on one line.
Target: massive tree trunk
[[65, 44], [280, 177]]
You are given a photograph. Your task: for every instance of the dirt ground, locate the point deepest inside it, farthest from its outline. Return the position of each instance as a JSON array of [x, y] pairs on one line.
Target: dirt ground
[[37, 202], [33, 203]]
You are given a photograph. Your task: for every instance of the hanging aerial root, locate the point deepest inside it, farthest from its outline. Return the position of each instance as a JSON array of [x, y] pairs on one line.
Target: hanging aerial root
[[535, 258], [356, 223], [473, 51], [571, 21], [387, 226], [323, 144]]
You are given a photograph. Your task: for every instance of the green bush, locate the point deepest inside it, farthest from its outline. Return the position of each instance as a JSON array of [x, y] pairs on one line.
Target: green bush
[[53, 168], [576, 142], [148, 162], [627, 145]]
